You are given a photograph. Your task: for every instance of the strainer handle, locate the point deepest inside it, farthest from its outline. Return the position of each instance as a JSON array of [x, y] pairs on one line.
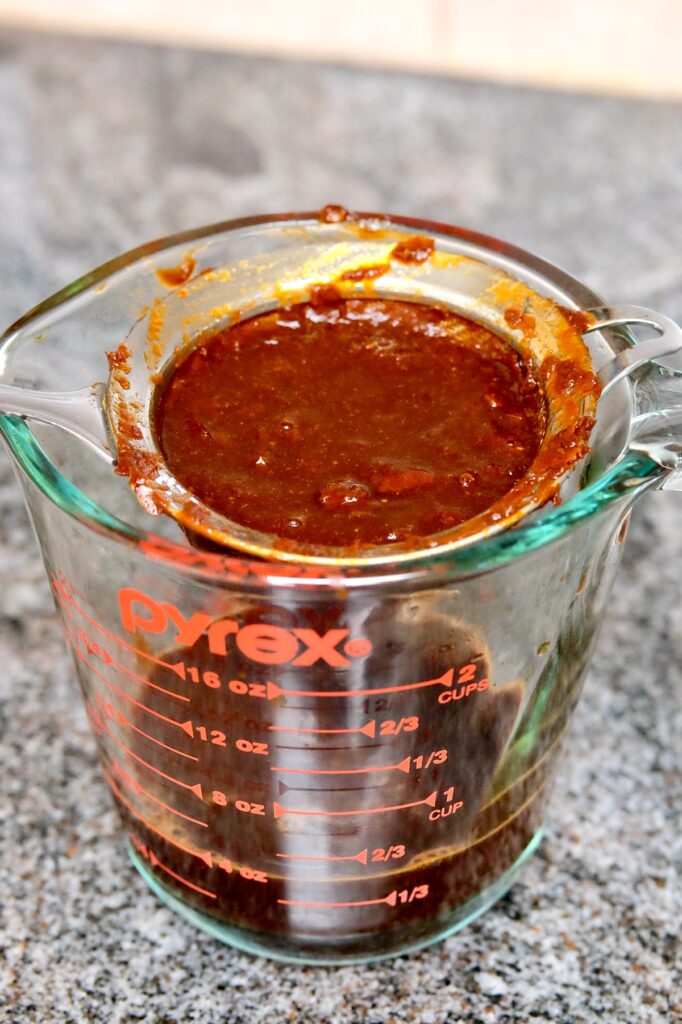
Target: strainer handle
[[665, 349], [657, 432], [78, 412]]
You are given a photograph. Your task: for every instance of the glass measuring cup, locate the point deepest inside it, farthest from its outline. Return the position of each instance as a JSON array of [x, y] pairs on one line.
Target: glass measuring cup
[[325, 763]]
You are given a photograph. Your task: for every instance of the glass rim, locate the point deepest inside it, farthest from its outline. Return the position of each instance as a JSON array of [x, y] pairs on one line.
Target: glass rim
[[633, 473]]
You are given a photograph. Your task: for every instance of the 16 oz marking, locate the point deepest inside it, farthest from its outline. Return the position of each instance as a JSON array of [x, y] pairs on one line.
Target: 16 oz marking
[[210, 679], [214, 682]]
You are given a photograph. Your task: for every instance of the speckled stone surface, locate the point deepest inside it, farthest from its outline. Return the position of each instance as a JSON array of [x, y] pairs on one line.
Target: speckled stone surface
[[103, 146]]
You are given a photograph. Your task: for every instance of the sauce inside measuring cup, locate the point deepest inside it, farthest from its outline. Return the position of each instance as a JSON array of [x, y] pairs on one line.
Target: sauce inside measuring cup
[[351, 421]]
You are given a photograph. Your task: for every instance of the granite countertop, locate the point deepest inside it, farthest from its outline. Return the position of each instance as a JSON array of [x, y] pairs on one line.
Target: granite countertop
[[103, 146]]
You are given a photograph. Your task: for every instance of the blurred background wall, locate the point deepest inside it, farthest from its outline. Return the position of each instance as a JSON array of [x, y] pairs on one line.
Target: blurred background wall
[[627, 47]]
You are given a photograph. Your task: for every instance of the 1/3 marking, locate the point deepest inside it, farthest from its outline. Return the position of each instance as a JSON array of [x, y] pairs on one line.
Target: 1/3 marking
[[419, 892], [436, 757]]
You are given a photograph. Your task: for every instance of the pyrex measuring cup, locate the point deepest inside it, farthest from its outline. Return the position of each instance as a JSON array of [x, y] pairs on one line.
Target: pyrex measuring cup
[[325, 762]]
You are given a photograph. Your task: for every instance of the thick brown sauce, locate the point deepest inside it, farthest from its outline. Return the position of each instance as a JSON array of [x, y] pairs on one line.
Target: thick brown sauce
[[351, 421]]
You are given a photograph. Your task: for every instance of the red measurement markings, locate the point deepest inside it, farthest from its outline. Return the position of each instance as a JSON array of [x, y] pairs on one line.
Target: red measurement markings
[[389, 727], [384, 854], [436, 757], [64, 594], [402, 766], [251, 874], [274, 691], [137, 787], [204, 856], [369, 729], [195, 821], [360, 857], [182, 671], [121, 719], [390, 899], [108, 660], [196, 788], [284, 788], [419, 892], [156, 863], [330, 835], [185, 726], [147, 682], [430, 800], [367, 746]]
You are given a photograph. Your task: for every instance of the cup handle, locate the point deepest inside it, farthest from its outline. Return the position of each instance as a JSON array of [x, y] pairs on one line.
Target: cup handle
[[657, 424], [78, 412], [659, 430]]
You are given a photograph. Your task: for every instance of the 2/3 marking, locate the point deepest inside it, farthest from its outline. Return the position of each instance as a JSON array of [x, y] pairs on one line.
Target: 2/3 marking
[[392, 728], [382, 855]]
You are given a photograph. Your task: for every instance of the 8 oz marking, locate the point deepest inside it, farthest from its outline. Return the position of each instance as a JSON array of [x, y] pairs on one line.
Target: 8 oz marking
[[246, 807]]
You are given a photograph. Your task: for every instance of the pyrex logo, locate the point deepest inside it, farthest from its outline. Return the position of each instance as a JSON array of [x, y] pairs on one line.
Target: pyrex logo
[[266, 644]]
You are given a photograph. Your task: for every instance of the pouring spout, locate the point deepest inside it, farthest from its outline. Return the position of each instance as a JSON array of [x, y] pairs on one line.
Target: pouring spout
[[79, 412]]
